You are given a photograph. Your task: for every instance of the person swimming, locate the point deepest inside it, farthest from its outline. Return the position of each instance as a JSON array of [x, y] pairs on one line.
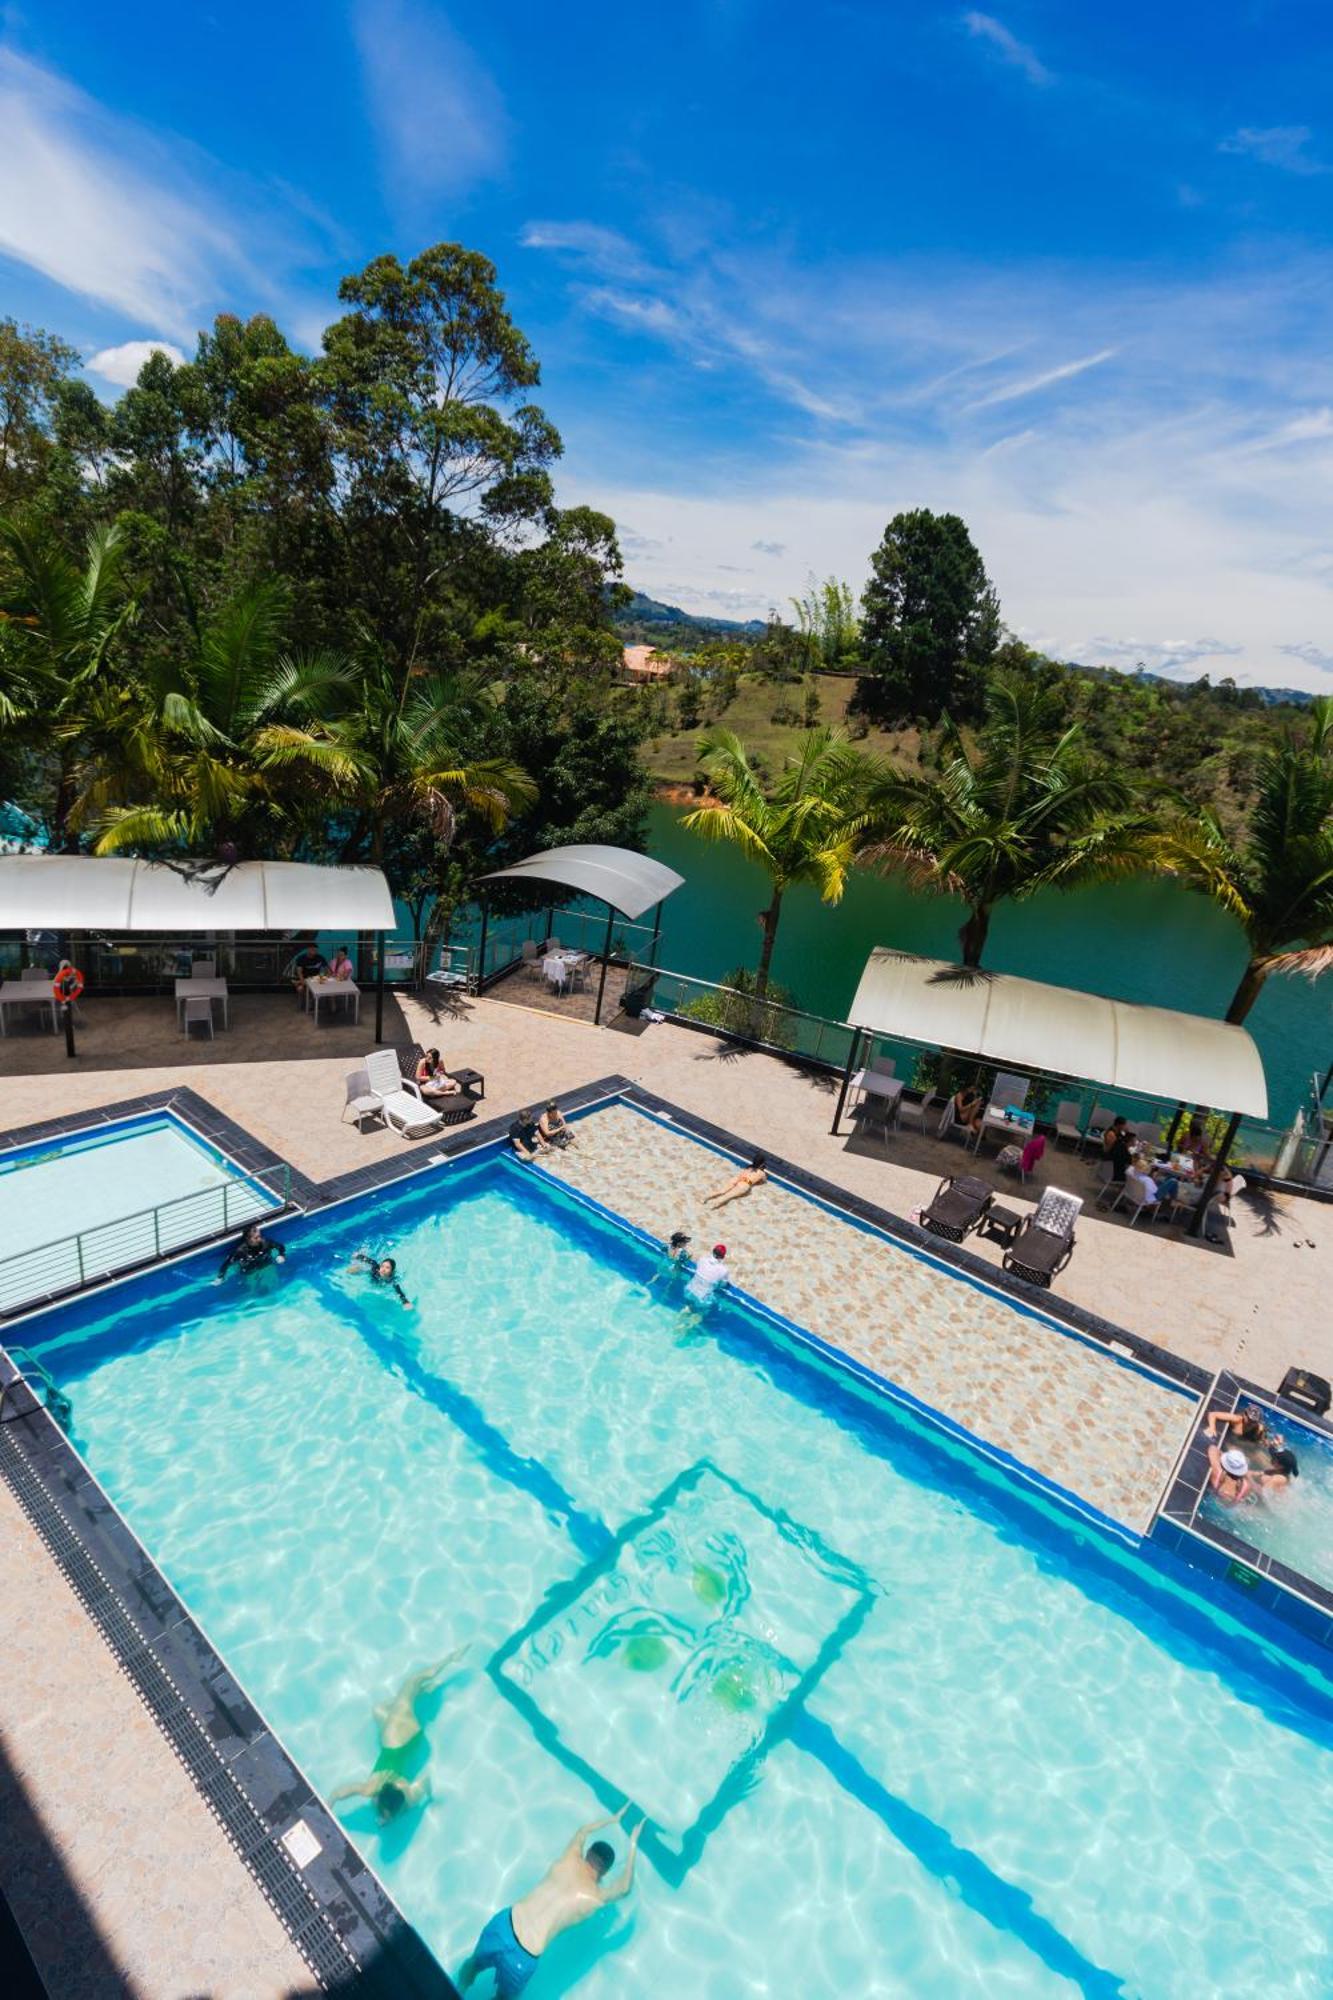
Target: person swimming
[[573, 1889], [1229, 1475], [382, 1270], [398, 1778]]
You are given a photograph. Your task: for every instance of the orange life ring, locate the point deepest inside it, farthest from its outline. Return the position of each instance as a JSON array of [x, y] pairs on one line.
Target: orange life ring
[[68, 985]]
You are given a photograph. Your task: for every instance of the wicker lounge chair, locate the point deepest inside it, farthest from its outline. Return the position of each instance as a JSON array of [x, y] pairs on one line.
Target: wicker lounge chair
[[1045, 1244], [958, 1204]]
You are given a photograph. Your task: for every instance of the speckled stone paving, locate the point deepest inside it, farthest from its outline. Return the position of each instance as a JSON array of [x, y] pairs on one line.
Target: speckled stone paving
[[1101, 1430]]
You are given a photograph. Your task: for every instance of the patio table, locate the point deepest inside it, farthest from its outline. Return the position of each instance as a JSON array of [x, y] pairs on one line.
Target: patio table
[[874, 1083], [26, 993], [323, 989], [203, 989]]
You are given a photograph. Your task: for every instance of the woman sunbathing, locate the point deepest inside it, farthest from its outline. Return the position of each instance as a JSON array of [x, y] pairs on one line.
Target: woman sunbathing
[[740, 1184]]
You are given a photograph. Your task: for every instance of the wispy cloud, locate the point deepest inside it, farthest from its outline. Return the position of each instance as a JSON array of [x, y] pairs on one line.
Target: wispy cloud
[[104, 208], [439, 118], [604, 250], [774, 549], [1286, 147], [1029, 385], [1314, 656], [121, 364], [1007, 46]]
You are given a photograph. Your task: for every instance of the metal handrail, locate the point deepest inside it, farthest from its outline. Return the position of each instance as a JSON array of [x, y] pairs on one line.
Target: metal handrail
[[145, 1236]]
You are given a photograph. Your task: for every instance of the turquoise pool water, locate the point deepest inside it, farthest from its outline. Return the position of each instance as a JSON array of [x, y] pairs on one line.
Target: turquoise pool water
[[899, 1734], [105, 1185]]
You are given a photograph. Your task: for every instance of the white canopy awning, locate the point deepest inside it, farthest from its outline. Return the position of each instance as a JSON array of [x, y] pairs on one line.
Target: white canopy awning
[[629, 882], [85, 892], [1145, 1051]]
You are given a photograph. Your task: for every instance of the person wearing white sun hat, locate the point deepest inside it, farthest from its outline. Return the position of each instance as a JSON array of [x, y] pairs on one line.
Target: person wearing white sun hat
[[1229, 1475]]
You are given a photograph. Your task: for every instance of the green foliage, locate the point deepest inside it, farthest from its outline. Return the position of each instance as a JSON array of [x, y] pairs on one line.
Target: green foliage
[[827, 623], [740, 1007], [33, 369], [930, 619]]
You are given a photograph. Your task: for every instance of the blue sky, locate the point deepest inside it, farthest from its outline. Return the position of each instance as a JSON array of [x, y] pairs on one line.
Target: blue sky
[[788, 268]]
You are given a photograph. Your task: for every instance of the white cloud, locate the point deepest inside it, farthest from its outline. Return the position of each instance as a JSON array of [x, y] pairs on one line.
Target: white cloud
[[774, 549], [1007, 46], [1318, 657], [438, 116], [96, 204], [121, 364], [1032, 383], [603, 250], [1283, 146]]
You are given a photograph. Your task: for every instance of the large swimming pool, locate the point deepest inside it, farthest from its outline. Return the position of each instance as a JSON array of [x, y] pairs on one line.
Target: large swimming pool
[[901, 1731], [76, 1208]]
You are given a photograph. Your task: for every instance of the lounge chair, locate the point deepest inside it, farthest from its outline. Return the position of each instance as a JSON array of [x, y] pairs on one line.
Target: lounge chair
[[958, 1204], [452, 1110], [401, 1103], [1045, 1243]]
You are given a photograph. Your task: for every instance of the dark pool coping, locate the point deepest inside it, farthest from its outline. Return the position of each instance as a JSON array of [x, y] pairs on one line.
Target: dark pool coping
[[1209, 1546]]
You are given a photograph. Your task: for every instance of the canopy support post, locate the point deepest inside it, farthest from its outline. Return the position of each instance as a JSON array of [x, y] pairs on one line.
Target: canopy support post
[[67, 1009], [1214, 1176], [606, 953], [379, 987], [657, 932], [846, 1080], [481, 948], [1174, 1127]]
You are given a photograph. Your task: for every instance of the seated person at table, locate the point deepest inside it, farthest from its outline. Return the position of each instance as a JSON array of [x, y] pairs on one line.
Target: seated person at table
[[307, 964], [740, 1184], [525, 1137], [1138, 1179], [1229, 1475], [968, 1108], [1118, 1147], [341, 968], [382, 1270], [251, 1252], [433, 1079], [551, 1126]]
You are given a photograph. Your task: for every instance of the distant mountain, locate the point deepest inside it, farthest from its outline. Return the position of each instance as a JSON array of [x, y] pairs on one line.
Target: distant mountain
[[1270, 697], [650, 611]]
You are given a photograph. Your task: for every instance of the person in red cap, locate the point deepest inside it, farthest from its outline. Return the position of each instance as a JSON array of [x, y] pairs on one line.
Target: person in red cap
[[709, 1274]]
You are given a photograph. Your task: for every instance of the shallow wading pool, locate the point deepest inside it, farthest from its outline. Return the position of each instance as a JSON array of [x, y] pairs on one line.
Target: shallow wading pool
[[901, 1728]]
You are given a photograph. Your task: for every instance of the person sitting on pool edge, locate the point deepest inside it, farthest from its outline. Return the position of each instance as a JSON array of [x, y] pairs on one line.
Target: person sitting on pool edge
[[740, 1183], [675, 1262], [252, 1251], [383, 1271], [399, 1778], [551, 1126], [433, 1079], [573, 1889], [1229, 1475], [525, 1137]]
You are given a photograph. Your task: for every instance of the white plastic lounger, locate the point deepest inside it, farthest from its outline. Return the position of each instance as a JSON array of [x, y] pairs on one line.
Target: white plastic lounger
[[400, 1101]]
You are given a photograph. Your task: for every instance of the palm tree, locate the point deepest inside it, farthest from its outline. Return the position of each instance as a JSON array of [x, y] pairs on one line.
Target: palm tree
[[59, 621], [400, 729], [1024, 808], [194, 751], [1277, 879], [806, 830]]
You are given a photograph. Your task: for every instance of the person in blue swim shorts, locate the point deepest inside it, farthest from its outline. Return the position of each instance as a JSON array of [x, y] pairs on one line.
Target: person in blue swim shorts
[[573, 1889]]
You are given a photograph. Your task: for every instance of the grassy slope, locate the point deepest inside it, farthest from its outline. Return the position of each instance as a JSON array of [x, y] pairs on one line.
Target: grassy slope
[[672, 759]]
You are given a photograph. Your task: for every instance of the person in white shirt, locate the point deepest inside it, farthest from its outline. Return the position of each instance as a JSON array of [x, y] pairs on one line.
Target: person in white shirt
[[710, 1274]]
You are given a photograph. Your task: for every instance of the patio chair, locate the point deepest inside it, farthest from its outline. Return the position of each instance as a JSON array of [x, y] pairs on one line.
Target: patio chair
[[360, 1098], [916, 1110], [1045, 1243], [870, 1111], [197, 1010], [1135, 1193], [1008, 1090], [529, 955], [883, 1065], [1111, 1188], [1066, 1122], [401, 1104], [1098, 1122], [957, 1206], [32, 975], [204, 968]]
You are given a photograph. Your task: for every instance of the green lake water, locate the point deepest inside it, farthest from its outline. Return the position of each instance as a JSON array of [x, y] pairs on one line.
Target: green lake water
[[1148, 941]]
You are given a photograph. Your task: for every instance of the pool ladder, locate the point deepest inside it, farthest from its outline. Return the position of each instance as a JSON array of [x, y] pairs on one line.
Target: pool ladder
[[37, 1376]]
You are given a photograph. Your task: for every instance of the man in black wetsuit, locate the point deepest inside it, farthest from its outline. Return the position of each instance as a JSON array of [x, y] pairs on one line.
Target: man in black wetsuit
[[251, 1252]]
